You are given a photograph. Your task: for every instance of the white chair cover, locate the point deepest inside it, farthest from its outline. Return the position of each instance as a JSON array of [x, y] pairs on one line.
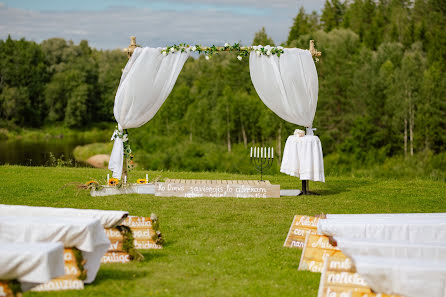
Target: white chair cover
[[413, 230], [147, 80], [401, 254], [86, 234], [31, 263], [108, 218], [288, 85]]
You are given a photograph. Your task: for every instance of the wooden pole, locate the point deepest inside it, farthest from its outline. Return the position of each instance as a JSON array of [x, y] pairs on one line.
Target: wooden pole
[[129, 50], [314, 52]]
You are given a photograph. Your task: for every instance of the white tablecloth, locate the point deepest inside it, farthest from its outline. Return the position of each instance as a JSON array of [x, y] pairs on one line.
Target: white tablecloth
[[302, 157], [405, 277], [386, 215], [402, 254], [108, 218], [31, 263], [413, 230], [86, 234]]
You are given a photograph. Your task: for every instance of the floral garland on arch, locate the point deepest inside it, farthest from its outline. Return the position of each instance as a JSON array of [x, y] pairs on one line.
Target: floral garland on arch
[[128, 155], [210, 51]]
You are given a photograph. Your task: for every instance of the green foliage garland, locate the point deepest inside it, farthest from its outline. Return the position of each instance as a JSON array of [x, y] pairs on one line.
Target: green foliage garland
[[80, 263], [127, 150], [127, 243], [210, 51]]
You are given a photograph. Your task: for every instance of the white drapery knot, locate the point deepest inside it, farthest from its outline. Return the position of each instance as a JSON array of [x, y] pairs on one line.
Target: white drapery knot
[[310, 130]]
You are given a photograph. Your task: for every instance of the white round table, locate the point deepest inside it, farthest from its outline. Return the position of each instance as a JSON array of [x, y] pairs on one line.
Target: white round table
[[302, 158]]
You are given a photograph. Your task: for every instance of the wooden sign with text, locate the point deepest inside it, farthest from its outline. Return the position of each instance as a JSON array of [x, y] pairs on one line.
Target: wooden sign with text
[[69, 281], [217, 188], [115, 257], [298, 230], [59, 284], [143, 238], [316, 249], [340, 279], [137, 222], [144, 234]]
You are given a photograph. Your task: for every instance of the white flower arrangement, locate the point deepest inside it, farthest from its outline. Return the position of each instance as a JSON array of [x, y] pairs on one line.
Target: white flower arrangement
[[226, 44], [172, 49], [239, 58], [194, 48], [207, 57]]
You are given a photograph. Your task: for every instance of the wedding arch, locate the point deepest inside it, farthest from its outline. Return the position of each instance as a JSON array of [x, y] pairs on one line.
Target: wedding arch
[[284, 78]]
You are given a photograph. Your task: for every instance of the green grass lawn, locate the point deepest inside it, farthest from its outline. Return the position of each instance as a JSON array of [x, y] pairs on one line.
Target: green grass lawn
[[216, 246]]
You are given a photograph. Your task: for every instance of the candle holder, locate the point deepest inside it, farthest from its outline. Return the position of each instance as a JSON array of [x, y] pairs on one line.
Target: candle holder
[[262, 159]]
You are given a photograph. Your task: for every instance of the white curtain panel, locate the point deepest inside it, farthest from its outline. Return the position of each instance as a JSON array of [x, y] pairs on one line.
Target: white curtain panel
[[146, 82], [288, 85]]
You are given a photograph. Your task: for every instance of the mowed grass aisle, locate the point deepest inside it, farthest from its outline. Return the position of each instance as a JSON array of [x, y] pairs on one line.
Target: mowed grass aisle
[[216, 246]]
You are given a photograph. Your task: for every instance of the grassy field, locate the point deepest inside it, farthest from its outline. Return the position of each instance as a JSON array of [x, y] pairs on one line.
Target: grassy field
[[217, 246]]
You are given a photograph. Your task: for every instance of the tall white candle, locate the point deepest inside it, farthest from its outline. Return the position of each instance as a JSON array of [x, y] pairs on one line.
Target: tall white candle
[[251, 152], [261, 152], [147, 177], [269, 152], [258, 152], [125, 179], [272, 152], [108, 177]]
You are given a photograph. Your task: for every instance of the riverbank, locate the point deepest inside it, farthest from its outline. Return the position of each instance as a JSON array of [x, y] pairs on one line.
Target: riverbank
[[97, 133], [94, 154], [50, 145]]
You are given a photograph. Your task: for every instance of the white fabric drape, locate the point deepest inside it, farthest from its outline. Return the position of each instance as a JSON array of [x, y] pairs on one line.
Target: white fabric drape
[[402, 254], [86, 234], [31, 263], [147, 80], [288, 85], [108, 218]]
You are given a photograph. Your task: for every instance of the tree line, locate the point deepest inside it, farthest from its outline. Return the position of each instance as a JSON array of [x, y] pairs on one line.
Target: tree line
[[382, 90]]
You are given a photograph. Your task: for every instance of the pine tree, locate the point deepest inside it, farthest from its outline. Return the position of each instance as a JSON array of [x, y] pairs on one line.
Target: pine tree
[[300, 26], [332, 14], [261, 38]]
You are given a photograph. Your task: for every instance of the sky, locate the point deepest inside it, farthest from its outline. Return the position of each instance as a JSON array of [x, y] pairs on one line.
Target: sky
[[108, 24]]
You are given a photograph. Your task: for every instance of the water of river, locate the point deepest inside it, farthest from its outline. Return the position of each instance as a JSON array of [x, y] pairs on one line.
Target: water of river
[[37, 152]]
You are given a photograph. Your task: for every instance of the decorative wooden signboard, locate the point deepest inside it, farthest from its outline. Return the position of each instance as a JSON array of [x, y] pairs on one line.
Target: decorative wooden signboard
[[316, 249], [72, 280], [298, 230], [144, 235], [217, 188], [115, 254], [340, 279]]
